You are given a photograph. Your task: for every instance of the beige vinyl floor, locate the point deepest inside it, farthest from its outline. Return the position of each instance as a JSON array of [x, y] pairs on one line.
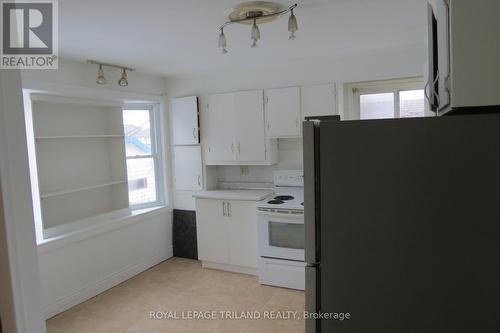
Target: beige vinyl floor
[[179, 287]]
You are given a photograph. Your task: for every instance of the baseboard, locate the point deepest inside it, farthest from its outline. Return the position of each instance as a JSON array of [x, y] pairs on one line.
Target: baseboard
[[108, 282], [229, 268]]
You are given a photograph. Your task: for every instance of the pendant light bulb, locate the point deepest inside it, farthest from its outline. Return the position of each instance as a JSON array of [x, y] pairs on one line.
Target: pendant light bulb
[[292, 25], [100, 76], [123, 82], [222, 41], [255, 33]]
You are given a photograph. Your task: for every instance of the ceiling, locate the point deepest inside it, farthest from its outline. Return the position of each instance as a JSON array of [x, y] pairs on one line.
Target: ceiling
[[179, 37]]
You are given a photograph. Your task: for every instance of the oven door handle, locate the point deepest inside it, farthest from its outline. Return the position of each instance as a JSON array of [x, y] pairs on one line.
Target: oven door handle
[[299, 217]]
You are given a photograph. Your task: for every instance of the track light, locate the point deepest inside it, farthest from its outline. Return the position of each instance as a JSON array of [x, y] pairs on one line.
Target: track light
[[255, 33], [222, 41], [123, 81], [100, 76], [292, 24]]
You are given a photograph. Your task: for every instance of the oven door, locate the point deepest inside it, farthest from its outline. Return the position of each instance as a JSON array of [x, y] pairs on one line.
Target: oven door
[[281, 235]]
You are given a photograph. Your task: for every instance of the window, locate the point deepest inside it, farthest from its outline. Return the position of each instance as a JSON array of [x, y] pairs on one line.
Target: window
[[387, 99], [143, 155]]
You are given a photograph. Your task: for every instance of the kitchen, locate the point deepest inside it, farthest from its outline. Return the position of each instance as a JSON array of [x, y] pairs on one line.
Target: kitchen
[[263, 167]]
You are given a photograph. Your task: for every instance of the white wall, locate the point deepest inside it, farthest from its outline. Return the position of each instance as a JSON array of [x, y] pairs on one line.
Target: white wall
[[83, 74], [74, 271], [404, 61], [7, 314], [17, 207], [76, 267]]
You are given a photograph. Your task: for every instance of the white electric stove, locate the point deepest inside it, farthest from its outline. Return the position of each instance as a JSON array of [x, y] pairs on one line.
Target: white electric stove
[[281, 232]]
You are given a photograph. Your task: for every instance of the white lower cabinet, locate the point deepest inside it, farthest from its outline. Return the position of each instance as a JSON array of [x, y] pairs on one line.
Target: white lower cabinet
[[227, 234], [212, 231]]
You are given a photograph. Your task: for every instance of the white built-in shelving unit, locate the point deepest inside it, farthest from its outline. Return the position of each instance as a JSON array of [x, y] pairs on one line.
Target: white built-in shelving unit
[[80, 156]]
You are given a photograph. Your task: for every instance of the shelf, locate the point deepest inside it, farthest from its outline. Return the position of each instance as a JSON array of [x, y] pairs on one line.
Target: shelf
[[56, 137], [80, 189]]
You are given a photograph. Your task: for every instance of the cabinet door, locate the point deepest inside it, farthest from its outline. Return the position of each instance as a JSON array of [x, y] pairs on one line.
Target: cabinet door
[[188, 168], [242, 228], [211, 230], [318, 100], [439, 55], [283, 112], [220, 130], [250, 133], [185, 121]]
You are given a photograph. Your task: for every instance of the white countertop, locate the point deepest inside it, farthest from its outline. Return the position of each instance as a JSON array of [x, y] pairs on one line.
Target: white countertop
[[242, 195]]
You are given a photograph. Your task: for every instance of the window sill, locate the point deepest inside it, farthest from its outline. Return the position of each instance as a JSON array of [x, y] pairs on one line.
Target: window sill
[[80, 230]]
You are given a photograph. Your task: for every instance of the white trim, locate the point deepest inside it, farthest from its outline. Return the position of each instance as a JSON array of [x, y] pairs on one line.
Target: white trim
[[70, 100], [229, 268], [104, 284], [96, 94]]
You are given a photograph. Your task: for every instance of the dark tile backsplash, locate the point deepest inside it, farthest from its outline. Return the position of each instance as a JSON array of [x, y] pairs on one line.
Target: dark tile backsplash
[[184, 234]]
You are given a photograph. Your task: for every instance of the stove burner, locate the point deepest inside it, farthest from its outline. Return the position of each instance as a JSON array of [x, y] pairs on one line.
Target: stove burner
[[276, 202], [284, 197]]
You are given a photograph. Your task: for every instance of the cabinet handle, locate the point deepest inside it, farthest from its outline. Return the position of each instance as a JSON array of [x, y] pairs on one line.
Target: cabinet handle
[[223, 208], [194, 132], [232, 147], [228, 209], [239, 147], [199, 180]]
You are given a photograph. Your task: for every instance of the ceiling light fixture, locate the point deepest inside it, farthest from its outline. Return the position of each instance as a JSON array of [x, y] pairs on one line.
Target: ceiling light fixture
[[255, 33], [222, 41], [257, 12], [100, 76], [292, 24], [123, 81]]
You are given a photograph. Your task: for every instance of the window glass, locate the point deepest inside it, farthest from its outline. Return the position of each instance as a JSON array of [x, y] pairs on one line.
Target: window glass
[[376, 106], [141, 157], [141, 180], [411, 103], [137, 132]]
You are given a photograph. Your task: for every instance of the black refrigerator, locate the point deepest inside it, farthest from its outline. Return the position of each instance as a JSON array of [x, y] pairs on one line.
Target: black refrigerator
[[402, 223]]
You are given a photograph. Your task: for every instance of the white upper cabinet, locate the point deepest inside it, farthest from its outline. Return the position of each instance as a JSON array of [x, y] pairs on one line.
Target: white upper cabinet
[[318, 100], [185, 121], [283, 113], [188, 168], [250, 133], [235, 130], [220, 131]]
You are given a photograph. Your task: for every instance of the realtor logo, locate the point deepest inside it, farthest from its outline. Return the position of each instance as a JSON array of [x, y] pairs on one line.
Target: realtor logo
[[29, 34]]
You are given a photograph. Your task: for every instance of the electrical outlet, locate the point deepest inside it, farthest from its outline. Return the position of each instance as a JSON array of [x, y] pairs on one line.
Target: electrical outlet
[[244, 170]]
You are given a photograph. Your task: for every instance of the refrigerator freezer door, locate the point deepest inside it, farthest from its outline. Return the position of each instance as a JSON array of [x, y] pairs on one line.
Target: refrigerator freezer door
[[409, 224]]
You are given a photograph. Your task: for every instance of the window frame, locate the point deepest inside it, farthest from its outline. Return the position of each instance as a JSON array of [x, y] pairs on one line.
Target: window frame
[[156, 152], [396, 86]]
